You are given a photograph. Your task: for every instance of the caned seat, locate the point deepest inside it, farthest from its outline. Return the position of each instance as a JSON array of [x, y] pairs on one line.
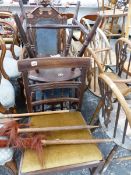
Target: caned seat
[[61, 155]]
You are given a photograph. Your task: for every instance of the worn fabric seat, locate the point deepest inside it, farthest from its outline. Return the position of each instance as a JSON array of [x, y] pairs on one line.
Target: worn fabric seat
[[7, 93], [61, 155], [10, 67], [6, 153]]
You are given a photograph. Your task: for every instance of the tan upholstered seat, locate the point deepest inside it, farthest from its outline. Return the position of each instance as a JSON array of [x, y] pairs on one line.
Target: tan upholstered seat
[[61, 155]]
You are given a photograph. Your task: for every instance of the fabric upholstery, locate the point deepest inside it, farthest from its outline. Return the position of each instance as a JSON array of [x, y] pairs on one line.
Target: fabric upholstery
[[11, 67], [7, 93], [61, 155], [6, 153]]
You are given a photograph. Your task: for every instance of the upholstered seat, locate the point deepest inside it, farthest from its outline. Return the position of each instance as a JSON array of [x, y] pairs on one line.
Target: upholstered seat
[[10, 67], [7, 93], [6, 153], [61, 155]]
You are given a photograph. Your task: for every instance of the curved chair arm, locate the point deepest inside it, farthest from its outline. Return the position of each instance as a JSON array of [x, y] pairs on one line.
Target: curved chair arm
[[118, 95], [2, 55], [92, 53], [122, 39]]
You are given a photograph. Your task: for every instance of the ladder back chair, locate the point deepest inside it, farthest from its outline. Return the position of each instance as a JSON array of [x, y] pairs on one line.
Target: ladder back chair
[[59, 157], [57, 82], [114, 117]]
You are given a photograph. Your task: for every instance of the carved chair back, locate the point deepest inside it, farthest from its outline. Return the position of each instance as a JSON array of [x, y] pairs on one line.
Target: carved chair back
[[54, 92], [123, 57], [46, 41]]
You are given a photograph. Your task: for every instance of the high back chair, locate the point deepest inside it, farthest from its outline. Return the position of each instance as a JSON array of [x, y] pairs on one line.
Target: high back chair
[[46, 41], [64, 156], [114, 118]]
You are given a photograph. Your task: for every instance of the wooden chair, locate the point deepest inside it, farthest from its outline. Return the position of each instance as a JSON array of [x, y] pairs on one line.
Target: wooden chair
[[46, 41], [7, 94], [114, 118], [8, 16], [10, 35], [111, 25], [119, 73], [59, 157]]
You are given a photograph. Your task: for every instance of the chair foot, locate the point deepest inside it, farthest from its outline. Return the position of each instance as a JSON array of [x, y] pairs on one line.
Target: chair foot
[[108, 159]]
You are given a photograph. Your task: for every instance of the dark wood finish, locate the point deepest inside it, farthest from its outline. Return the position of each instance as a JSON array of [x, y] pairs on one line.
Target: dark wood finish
[[89, 36], [50, 63], [71, 31], [40, 16], [24, 37]]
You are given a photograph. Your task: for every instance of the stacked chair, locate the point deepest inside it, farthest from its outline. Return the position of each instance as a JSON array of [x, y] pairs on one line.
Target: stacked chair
[[54, 82]]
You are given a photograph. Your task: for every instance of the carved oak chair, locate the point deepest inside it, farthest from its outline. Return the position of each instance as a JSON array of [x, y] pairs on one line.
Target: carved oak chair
[[62, 157], [115, 118], [46, 41]]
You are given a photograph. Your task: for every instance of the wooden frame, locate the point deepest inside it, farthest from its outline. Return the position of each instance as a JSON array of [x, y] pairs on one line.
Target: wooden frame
[[50, 63], [36, 17], [116, 114]]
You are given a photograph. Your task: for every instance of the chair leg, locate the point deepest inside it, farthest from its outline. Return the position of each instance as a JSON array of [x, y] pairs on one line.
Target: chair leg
[[96, 170], [109, 159]]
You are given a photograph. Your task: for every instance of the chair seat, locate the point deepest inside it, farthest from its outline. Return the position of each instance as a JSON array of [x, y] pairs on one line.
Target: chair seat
[[10, 66], [6, 153], [122, 86], [7, 93], [61, 155]]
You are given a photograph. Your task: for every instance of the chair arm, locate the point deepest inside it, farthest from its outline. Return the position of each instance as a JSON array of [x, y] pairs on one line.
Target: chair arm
[[118, 95]]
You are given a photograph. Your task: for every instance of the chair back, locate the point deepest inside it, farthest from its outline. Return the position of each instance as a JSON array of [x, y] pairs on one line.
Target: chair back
[[2, 55], [123, 57], [115, 114], [46, 41], [46, 95]]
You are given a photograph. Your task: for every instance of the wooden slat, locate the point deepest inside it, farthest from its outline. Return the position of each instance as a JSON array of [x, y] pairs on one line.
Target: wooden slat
[[50, 62]]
